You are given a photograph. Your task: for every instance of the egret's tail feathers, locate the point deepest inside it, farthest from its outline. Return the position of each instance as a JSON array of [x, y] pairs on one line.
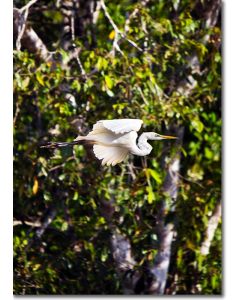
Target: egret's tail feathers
[[110, 155], [80, 138]]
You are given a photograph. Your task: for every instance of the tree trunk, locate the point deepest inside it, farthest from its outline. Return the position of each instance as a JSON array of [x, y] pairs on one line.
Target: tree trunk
[[165, 221]]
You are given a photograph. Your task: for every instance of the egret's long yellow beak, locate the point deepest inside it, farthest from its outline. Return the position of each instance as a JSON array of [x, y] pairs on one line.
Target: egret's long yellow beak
[[169, 137]]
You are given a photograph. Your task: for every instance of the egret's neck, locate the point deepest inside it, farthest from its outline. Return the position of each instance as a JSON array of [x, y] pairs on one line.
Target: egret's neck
[[143, 147]]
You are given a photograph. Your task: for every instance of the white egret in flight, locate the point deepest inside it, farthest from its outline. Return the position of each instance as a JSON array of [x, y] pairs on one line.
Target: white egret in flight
[[113, 140]]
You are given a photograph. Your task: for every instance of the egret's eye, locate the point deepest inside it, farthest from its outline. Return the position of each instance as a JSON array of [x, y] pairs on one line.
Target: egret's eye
[[156, 135]]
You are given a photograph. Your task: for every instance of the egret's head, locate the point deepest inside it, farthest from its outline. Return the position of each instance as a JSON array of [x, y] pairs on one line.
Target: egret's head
[[155, 136]]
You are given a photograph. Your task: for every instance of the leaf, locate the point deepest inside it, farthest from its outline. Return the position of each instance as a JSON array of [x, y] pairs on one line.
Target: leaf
[[111, 35], [110, 93], [208, 153], [92, 54], [155, 175], [61, 177], [154, 237], [36, 267], [25, 83], [214, 281], [196, 172], [102, 63], [198, 125], [64, 226], [217, 57], [109, 81], [40, 78], [104, 257], [35, 186], [139, 74], [119, 107], [75, 196], [76, 85], [151, 196], [66, 152], [184, 152]]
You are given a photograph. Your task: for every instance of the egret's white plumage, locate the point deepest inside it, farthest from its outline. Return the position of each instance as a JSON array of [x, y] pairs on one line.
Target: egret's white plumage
[[110, 155], [114, 139], [121, 125]]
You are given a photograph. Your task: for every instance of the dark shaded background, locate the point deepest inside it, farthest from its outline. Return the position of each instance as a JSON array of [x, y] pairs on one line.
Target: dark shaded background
[[80, 228]]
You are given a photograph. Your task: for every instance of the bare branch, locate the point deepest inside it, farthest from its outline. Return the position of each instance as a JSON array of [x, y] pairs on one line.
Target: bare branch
[[46, 222], [32, 224], [40, 226], [28, 37], [118, 33], [102, 3], [132, 42], [21, 29], [133, 15], [211, 229], [18, 104], [76, 52], [28, 5], [22, 23], [95, 13]]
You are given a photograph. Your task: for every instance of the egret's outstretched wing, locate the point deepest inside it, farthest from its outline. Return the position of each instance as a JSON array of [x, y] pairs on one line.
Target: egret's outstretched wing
[[119, 125], [110, 155]]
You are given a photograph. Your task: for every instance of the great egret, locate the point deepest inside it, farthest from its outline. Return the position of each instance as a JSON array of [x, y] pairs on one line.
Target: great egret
[[114, 139]]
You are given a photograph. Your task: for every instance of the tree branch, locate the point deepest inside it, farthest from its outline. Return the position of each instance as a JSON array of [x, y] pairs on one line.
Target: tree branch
[[121, 249], [27, 37], [29, 223], [22, 24], [46, 222], [118, 33], [17, 111], [77, 52], [133, 15], [28, 5], [210, 15], [165, 229], [211, 229]]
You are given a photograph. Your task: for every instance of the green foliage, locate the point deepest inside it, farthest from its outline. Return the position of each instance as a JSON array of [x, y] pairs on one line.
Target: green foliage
[[54, 101]]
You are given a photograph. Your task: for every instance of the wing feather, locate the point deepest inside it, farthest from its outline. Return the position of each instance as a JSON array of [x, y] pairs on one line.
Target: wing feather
[[110, 155], [101, 134], [119, 125]]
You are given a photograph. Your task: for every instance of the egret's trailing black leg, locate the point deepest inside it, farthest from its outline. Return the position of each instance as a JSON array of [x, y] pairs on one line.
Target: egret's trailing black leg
[[59, 144]]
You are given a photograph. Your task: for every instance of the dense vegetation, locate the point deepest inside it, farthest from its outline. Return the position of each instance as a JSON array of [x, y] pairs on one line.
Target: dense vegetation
[[159, 61]]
